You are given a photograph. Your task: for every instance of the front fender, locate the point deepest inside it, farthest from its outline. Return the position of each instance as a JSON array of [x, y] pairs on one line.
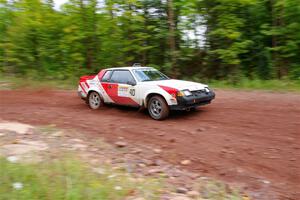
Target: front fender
[[162, 93]]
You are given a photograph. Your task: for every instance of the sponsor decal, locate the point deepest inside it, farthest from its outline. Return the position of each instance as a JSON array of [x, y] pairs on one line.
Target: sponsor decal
[[123, 91]]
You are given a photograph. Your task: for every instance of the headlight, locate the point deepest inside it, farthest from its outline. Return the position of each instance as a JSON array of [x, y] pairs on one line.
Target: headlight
[[207, 89], [184, 93], [187, 93]]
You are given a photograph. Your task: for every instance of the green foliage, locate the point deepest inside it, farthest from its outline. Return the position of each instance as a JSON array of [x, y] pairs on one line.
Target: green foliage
[[270, 85], [218, 39], [69, 179]]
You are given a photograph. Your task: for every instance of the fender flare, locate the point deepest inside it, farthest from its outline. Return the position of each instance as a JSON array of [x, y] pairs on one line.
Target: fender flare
[[92, 90], [150, 93]]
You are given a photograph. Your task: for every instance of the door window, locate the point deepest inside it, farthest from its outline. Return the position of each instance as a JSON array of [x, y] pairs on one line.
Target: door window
[[122, 76]]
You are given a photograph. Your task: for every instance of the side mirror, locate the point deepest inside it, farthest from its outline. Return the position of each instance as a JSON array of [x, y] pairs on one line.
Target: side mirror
[[132, 83]]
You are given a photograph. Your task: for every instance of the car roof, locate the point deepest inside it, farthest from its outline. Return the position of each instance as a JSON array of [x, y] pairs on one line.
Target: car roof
[[128, 68]]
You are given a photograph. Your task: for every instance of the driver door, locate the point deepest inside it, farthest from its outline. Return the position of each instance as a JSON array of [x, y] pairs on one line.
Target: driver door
[[122, 88]]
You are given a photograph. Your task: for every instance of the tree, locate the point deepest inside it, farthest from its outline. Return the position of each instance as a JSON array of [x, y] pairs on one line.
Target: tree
[[243, 38]]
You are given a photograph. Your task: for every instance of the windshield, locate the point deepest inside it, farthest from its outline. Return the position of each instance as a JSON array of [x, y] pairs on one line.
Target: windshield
[[149, 75]]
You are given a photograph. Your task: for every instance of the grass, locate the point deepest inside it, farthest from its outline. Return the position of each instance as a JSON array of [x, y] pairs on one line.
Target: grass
[[68, 179], [21, 83], [244, 84], [216, 190]]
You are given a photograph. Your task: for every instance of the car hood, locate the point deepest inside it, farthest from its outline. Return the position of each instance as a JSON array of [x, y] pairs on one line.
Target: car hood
[[178, 84]]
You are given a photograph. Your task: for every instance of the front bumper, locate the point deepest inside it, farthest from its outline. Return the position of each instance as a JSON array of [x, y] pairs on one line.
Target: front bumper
[[200, 97]]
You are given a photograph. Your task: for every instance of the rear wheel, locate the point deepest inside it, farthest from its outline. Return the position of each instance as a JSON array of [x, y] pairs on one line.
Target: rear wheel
[[94, 100], [158, 108]]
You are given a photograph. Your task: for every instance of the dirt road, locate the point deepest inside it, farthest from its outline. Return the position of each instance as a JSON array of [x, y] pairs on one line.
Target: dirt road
[[249, 139]]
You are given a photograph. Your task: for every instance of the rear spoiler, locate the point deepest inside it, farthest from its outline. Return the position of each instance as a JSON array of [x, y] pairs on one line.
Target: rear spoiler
[[85, 78]]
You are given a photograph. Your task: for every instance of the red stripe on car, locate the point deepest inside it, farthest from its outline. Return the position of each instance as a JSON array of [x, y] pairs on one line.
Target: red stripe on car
[[111, 90], [85, 78], [82, 88], [170, 90]]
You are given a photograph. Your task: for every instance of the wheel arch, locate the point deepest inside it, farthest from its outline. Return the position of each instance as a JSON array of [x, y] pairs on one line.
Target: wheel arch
[[90, 91], [151, 94]]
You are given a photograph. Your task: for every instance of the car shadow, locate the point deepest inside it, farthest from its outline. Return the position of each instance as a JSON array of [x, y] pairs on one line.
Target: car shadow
[[185, 114], [144, 112]]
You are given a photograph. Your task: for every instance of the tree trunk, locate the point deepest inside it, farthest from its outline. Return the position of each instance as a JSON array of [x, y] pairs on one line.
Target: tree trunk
[[146, 41], [109, 8], [87, 41], [172, 36], [275, 25]]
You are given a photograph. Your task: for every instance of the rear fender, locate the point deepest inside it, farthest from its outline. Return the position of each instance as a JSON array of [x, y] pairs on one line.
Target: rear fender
[[86, 85], [96, 85]]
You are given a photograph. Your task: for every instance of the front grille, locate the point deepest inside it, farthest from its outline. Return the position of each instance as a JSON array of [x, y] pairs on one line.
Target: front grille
[[198, 92]]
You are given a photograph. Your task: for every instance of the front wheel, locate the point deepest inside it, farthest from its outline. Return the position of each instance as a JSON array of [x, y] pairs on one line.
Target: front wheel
[[94, 100], [158, 108]]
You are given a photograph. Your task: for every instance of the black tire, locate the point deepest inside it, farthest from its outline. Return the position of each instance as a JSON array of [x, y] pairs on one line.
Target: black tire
[[158, 108], [94, 100]]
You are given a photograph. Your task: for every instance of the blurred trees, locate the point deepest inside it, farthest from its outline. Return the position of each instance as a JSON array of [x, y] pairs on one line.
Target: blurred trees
[[219, 39]]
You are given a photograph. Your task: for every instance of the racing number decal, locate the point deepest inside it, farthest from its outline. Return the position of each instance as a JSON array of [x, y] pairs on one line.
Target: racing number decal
[[132, 92], [123, 91]]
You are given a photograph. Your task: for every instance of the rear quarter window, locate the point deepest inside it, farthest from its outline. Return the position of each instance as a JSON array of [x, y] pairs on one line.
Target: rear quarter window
[[106, 76]]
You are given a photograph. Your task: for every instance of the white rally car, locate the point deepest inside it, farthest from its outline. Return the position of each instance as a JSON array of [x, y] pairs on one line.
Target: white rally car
[[143, 87]]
